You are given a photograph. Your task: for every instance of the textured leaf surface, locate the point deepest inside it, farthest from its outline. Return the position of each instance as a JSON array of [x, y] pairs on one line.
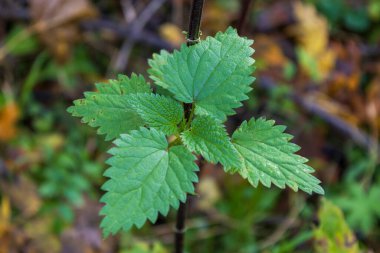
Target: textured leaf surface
[[145, 178], [108, 108], [215, 73], [209, 138], [269, 157], [157, 63], [160, 112]]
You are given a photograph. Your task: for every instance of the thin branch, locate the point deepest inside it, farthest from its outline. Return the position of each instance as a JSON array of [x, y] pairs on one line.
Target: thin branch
[[137, 26], [245, 7], [126, 32], [360, 138], [180, 228], [285, 225], [129, 11]]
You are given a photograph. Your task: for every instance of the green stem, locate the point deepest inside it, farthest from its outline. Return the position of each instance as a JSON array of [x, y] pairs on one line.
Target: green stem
[[175, 142], [191, 116]]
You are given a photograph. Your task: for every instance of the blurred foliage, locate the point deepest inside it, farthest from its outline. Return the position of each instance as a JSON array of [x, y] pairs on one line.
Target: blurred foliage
[[29, 43], [145, 248], [324, 53], [333, 234], [361, 206], [362, 191]]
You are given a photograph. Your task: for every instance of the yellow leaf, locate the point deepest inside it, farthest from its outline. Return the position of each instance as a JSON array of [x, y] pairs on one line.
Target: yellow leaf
[[312, 34], [326, 62], [5, 215], [53, 141], [311, 30], [333, 234], [172, 34]]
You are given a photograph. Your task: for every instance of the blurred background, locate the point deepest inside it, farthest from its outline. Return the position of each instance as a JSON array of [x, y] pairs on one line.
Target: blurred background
[[318, 72]]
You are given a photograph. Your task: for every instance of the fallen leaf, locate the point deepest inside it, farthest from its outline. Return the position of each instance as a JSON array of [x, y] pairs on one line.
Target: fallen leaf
[[23, 194], [5, 215], [56, 22], [268, 51], [333, 234], [312, 34], [209, 193], [38, 236], [9, 115]]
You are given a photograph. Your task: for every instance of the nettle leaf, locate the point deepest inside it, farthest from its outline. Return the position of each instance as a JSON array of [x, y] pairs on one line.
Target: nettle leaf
[[209, 138], [108, 108], [146, 177], [269, 157], [147, 174], [215, 74], [160, 112], [156, 63]]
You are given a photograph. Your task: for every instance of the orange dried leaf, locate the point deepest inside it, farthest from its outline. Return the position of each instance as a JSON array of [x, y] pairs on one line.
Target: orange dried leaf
[[9, 115], [269, 52]]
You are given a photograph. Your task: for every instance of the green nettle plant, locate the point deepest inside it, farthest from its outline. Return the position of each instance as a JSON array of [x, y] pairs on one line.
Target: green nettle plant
[[157, 135]]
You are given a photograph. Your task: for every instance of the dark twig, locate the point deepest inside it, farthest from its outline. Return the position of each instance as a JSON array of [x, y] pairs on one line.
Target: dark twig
[[95, 25], [193, 37], [122, 31], [137, 26], [180, 228], [245, 7]]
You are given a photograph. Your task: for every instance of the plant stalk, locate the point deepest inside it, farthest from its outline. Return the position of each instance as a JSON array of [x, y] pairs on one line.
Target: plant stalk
[[193, 38], [180, 228], [193, 35]]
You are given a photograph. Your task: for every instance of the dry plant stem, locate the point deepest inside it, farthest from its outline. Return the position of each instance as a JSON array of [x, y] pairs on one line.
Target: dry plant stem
[[192, 38], [373, 154], [297, 205], [359, 137]]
